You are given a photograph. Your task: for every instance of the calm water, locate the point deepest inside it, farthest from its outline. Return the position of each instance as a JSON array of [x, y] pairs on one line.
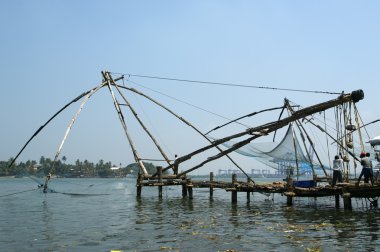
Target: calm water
[[33, 221]]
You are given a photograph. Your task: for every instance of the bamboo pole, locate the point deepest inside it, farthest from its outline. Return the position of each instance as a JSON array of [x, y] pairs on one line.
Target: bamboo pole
[[307, 151], [121, 117], [242, 117], [72, 123], [300, 126], [141, 123], [51, 118], [279, 117], [270, 127], [181, 159], [295, 150], [313, 147], [87, 97]]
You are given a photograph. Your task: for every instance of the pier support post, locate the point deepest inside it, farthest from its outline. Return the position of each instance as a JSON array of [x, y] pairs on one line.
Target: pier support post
[[184, 187], [248, 193], [159, 173], [337, 198], [138, 185], [347, 201], [211, 187], [289, 198], [190, 188], [375, 203], [234, 192]]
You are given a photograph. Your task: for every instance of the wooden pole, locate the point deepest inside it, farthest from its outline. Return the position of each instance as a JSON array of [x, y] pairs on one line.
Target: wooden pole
[[289, 200], [295, 149], [211, 187], [67, 133], [141, 123], [234, 192], [159, 172], [289, 197], [248, 193], [307, 151], [121, 118], [337, 203], [184, 187], [347, 201], [138, 186], [299, 125], [191, 126], [190, 188]]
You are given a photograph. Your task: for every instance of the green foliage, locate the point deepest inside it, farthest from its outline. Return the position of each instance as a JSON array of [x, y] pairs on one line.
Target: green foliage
[[61, 169], [134, 168], [44, 166]]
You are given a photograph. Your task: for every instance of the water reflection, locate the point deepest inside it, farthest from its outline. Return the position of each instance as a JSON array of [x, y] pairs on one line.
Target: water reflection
[[47, 220], [373, 229]]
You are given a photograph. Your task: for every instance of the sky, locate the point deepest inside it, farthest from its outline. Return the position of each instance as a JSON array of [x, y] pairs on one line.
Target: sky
[[52, 51]]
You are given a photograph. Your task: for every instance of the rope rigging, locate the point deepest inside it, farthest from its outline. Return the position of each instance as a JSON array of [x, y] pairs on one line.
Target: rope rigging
[[226, 84], [241, 117], [187, 103], [11, 194]]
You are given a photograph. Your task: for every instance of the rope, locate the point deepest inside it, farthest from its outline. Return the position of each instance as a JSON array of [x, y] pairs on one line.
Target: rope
[[187, 103], [358, 126], [327, 141], [228, 84], [5, 195], [337, 127], [363, 125], [152, 125], [344, 138]]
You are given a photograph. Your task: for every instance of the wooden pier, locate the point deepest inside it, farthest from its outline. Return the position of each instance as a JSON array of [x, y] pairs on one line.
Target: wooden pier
[[347, 191]]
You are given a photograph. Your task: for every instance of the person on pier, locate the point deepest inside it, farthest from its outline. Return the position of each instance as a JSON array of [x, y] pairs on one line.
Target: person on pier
[[367, 169], [370, 165], [337, 170], [175, 166]]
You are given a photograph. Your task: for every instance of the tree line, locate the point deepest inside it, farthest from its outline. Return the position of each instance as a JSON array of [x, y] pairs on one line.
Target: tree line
[[62, 169]]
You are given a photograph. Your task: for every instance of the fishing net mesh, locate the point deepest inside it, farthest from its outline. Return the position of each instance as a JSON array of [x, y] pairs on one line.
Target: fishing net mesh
[[281, 156]]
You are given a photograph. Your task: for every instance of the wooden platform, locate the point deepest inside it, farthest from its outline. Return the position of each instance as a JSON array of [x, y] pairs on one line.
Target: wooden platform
[[344, 190]]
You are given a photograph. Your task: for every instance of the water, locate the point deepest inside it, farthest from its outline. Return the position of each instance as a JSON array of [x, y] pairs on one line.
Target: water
[[33, 221]]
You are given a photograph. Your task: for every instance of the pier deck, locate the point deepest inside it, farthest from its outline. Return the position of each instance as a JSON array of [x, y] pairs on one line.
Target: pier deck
[[344, 190]]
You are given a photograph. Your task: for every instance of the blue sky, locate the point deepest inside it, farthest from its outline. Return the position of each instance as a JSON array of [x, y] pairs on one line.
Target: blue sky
[[51, 51]]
